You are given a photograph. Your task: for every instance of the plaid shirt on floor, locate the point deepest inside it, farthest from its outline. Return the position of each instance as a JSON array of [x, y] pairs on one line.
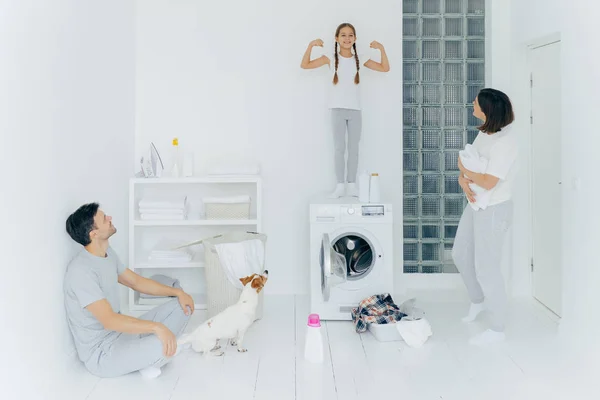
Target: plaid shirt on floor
[[377, 309]]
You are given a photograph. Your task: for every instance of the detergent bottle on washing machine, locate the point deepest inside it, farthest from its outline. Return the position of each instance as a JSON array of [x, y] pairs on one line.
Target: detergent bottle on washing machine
[[374, 193], [313, 346], [363, 187]]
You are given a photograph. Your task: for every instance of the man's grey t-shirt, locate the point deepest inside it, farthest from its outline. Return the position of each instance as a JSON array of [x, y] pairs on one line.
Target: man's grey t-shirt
[[90, 278]]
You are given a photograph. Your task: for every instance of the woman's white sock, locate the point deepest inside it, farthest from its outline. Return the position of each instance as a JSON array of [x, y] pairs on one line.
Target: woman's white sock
[[474, 311]]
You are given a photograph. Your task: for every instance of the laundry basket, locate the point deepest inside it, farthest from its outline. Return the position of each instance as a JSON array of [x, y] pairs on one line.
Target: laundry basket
[[219, 290]]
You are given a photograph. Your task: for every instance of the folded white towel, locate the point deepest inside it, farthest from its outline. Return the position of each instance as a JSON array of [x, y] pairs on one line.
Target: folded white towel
[[162, 210], [414, 332], [162, 217], [472, 161], [166, 252], [241, 259], [227, 199], [177, 202]]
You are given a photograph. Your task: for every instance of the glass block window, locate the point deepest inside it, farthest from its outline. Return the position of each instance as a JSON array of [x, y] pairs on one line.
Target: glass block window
[[443, 70]]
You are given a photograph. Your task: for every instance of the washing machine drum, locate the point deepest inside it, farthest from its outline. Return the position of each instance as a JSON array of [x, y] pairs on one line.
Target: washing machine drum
[[358, 254]]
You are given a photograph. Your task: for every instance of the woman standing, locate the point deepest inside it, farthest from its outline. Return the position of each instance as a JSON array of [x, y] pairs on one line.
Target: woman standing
[[478, 244]]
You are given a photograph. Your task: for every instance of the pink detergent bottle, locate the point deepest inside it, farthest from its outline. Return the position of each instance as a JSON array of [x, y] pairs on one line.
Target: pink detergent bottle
[[313, 346]]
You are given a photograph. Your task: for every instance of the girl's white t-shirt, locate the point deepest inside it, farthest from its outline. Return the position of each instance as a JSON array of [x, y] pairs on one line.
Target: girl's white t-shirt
[[345, 94], [501, 150]]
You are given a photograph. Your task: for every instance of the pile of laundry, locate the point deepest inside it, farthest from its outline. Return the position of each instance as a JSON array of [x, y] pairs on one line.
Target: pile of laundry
[[377, 309], [162, 279], [163, 208], [380, 309]]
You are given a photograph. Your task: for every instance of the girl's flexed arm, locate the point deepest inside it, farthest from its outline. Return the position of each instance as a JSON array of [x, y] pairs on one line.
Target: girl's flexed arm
[[384, 65], [317, 62]]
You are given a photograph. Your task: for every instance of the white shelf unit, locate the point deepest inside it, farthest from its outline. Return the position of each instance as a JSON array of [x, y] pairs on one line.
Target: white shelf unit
[[145, 234]]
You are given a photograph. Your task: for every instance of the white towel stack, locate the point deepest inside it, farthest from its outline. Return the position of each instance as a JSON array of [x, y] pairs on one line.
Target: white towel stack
[[166, 253], [163, 208], [472, 161]]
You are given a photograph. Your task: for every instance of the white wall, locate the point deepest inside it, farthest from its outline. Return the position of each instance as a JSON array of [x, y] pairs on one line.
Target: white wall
[[520, 32], [578, 28], [581, 219], [236, 90], [498, 14], [66, 123], [229, 84]]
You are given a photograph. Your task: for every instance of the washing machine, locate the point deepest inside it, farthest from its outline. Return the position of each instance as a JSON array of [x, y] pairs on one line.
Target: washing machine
[[351, 256]]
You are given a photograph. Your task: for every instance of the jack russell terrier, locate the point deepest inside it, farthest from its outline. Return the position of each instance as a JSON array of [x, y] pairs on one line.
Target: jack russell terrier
[[230, 323]]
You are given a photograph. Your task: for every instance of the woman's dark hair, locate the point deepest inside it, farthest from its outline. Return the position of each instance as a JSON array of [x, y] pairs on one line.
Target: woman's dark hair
[[497, 109], [81, 223]]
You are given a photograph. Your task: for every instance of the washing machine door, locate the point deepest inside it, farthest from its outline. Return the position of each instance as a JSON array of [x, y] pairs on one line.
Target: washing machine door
[[333, 267]]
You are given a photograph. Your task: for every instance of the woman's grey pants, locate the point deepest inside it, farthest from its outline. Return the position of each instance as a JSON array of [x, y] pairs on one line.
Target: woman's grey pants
[[477, 254], [124, 353], [342, 119]]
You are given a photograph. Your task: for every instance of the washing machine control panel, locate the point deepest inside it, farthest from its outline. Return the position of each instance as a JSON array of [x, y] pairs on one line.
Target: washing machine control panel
[[352, 213], [373, 210], [360, 212]]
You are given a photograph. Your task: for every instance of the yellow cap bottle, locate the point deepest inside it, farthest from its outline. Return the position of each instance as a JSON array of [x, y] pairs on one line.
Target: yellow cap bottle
[[175, 168]]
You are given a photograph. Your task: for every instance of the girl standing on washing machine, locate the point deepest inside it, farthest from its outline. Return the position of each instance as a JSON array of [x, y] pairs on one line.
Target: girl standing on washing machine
[[477, 250], [344, 99]]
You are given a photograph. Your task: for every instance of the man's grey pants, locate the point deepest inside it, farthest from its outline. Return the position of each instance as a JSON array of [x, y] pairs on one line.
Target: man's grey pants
[[124, 353], [342, 119], [477, 254]]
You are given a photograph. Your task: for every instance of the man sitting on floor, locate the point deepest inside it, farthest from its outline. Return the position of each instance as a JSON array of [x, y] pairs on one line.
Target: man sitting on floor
[[109, 343]]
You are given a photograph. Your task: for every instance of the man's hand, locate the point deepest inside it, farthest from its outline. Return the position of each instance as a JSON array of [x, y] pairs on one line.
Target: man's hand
[[185, 300], [168, 339], [464, 184]]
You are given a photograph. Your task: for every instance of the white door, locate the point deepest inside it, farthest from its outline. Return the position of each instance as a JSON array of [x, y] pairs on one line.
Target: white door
[[333, 267], [546, 176]]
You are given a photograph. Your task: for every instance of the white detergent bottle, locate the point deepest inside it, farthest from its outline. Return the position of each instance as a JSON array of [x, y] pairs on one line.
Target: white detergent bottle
[[313, 346], [363, 187], [175, 167], [374, 192]]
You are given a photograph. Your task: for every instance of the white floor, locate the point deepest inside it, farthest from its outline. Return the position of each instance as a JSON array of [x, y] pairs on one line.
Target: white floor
[[358, 366]]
